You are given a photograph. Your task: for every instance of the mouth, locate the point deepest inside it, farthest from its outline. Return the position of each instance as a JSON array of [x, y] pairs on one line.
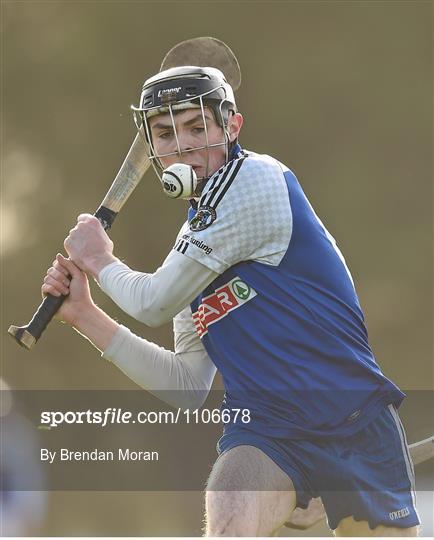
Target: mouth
[[193, 165], [200, 170], [197, 169]]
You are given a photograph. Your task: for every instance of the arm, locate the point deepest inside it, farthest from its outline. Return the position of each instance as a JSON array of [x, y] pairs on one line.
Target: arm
[[243, 230], [150, 298], [182, 378], [156, 298]]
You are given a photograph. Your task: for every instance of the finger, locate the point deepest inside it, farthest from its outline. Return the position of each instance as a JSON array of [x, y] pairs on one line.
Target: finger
[[59, 276], [49, 289], [86, 220], [57, 285], [85, 217], [72, 268], [58, 266], [67, 243]]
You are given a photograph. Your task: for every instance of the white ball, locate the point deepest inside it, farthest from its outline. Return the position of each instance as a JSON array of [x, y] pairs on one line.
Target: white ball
[[179, 180]]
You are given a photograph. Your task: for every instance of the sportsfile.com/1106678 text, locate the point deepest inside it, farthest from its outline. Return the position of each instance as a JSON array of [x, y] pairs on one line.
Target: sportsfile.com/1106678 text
[[113, 415]]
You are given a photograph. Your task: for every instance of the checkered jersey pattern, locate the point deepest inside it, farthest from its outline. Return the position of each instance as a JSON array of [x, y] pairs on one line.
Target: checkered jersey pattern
[[252, 219]]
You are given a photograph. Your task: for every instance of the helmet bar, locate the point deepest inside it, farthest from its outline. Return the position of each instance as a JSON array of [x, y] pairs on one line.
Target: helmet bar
[[181, 88], [206, 136], [156, 156]]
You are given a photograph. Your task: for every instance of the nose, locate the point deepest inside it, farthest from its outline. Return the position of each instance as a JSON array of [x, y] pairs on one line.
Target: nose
[[183, 143]]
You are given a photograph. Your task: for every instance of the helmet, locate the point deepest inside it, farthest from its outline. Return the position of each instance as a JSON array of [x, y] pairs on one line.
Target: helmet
[[182, 88]]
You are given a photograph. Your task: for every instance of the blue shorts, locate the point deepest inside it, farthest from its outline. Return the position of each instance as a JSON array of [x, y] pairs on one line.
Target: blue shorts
[[368, 475]]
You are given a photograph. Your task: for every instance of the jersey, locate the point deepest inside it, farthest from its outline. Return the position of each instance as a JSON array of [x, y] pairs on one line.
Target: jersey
[[282, 321]]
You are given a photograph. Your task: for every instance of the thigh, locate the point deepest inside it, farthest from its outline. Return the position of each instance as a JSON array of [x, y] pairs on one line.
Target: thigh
[[247, 494], [349, 527]]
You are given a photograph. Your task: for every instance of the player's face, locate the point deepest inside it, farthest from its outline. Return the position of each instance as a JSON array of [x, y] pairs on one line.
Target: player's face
[[190, 131]]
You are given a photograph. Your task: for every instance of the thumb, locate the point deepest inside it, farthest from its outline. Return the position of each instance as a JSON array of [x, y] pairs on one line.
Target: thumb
[[72, 268]]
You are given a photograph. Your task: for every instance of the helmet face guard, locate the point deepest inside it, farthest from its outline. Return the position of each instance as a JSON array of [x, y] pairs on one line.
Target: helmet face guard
[[178, 89]]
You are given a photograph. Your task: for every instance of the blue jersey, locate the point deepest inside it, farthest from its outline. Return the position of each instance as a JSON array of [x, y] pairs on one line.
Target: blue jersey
[[282, 322]]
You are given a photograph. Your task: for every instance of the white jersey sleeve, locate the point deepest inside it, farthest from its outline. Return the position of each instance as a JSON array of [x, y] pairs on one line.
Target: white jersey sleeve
[[243, 214], [155, 298], [182, 378]]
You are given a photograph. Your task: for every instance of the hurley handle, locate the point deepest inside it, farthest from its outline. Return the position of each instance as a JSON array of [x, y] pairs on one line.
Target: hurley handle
[[28, 335]]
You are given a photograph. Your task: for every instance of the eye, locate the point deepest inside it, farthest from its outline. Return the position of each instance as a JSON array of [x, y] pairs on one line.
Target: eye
[[198, 129], [165, 135]]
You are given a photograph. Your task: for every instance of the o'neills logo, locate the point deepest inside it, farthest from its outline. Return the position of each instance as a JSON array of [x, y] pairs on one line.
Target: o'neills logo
[[197, 243], [169, 91], [398, 514], [216, 306]]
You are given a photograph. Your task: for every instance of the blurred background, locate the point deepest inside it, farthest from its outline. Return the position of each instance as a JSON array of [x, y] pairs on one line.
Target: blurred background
[[339, 91]]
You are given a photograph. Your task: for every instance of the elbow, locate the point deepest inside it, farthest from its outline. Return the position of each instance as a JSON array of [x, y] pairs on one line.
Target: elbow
[[148, 301], [153, 316], [192, 400], [181, 399], [199, 399]]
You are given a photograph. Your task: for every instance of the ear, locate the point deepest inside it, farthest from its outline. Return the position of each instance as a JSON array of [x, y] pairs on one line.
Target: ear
[[235, 123]]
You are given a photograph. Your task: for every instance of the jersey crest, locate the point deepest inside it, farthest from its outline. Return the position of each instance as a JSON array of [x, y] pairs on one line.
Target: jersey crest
[[203, 218]]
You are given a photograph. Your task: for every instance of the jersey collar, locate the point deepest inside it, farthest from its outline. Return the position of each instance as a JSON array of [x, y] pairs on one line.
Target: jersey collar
[[235, 152]]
